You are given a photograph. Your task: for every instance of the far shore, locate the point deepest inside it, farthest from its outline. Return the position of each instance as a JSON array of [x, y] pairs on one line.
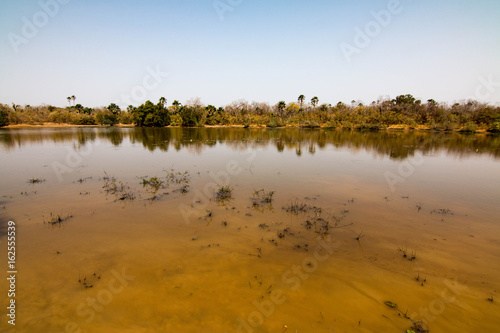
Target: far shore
[[405, 128]]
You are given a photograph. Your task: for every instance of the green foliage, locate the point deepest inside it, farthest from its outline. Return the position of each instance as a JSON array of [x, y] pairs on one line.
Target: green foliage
[[176, 120], [470, 127], [151, 115], [274, 122], [495, 127], [403, 112], [113, 108], [4, 115], [106, 117], [192, 116], [83, 119], [125, 117]]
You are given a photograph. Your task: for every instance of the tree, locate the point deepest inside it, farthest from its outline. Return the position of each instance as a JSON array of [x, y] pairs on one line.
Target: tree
[[162, 101], [151, 115], [212, 115], [113, 108], [4, 115], [314, 101], [281, 107], [301, 100], [69, 100], [404, 100], [106, 117], [73, 98]]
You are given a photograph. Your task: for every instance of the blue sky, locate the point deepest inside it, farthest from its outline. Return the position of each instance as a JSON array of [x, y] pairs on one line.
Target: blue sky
[[258, 50]]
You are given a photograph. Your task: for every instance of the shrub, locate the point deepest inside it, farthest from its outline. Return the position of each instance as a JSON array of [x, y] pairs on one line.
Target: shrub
[[469, 127], [274, 122], [125, 117], [105, 117], [495, 127], [4, 115], [83, 119], [176, 120]]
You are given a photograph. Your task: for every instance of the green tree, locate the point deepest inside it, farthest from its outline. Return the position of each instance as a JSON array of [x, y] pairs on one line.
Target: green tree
[[4, 115], [151, 115], [191, 116], [404, 100], [314, 101], [212, 115], [162, 101], [281, 107], [301, 100], [113, 108], [106, 117]]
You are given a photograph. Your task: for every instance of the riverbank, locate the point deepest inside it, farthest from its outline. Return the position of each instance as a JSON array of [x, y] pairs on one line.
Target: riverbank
[[405, 128]]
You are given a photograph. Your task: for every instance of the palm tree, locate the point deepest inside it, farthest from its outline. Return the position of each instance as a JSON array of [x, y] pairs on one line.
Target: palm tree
[[69, 100], [73, 98], [301, 100], [162, 101], [314, 101], [281, 107]]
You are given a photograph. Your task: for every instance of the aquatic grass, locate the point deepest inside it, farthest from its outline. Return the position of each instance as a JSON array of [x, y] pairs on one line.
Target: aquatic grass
[[117, 188], [56, 219], [153, 185], [442, 211], [178, 177], [295, 206], [260, 197], [36, 180], [223, 193]]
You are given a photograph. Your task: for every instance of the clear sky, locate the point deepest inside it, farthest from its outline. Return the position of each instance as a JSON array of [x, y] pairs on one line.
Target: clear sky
[[102, 51]]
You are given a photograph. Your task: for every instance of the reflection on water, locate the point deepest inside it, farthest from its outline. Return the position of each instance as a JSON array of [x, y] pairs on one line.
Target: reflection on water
[[397, 145], [130, 237]]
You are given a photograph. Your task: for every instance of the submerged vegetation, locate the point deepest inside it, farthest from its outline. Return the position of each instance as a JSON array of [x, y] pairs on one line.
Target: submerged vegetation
[[223, 193], [261, 197], [405, 111]]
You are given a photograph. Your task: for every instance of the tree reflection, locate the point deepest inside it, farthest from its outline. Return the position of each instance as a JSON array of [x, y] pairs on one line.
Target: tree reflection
[[396, 145]]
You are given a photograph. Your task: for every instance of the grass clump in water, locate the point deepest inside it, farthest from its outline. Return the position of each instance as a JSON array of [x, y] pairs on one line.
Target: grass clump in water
[[295, 206], [261, 197], [36, 180], [56, 219], [224, 193], [117, 188]]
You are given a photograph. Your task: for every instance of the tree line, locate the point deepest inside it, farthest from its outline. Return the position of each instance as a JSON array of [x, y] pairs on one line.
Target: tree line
[[403, 111]]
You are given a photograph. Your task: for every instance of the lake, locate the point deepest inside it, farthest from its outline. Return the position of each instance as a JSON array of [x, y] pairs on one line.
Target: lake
[[250, 230]]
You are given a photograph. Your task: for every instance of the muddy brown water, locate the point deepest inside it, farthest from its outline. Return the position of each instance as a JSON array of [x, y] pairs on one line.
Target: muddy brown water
[[177, 260]]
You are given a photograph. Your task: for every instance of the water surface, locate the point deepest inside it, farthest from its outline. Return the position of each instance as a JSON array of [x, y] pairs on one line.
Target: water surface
[[177, 260]]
